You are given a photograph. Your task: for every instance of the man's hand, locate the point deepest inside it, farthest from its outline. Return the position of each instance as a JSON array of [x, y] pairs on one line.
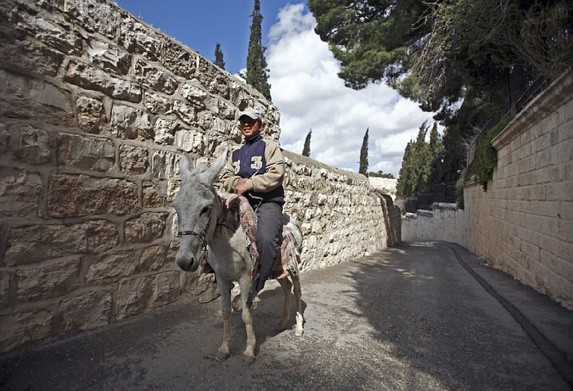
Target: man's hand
[[242, 186]]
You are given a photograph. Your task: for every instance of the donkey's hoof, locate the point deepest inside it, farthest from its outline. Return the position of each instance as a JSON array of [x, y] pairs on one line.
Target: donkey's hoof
[[249, 360], [222, 355]]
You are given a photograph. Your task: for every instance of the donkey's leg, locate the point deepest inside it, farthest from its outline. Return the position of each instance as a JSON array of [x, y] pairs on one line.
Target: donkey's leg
[[246, 314], [287, 286], [225, 289], [299, 328]]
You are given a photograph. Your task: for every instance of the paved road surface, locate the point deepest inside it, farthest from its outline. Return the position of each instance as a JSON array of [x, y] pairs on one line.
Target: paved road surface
[[421, 316]]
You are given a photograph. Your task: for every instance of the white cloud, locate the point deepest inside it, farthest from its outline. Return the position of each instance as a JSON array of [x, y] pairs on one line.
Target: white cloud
[[309, 94]]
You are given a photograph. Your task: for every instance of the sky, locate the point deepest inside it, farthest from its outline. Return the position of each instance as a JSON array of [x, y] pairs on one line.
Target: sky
[[303, 77]]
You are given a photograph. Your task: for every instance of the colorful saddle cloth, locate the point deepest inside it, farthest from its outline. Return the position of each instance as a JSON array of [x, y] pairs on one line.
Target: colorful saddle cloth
[[289, 256]]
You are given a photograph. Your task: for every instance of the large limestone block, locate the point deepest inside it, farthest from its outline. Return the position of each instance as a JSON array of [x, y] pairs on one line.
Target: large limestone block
[[133, 160], [102, 235], [33, 146], [112, 267], [33, 243], [25, 326], [94, 15], [48, 279], [109, 58], [92, 78], [91, 114], [154, 78], [81, 195], [20, 193], [86, 153], [133, 296], [179, 59], [139, 39], [145, 228], [164, 164], [165, 128], [166, 289], [85, 311], [130, 123]]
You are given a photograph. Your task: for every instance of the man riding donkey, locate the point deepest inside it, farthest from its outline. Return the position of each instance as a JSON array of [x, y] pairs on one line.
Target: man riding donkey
[[256, 170]]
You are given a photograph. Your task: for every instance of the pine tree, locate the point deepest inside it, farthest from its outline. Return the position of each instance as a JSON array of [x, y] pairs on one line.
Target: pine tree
[[257, 72], [306, 149], [363, 168], [219, 56]]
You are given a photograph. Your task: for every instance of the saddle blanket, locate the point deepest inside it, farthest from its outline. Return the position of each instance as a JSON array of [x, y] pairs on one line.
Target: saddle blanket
[[288, 259]]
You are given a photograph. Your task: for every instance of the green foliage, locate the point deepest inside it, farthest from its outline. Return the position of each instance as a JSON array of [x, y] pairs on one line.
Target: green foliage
[[436, 152], [434, 51], [455, 57], [219, 61], [460, 191], [482, 167], [363, 168], [369, 38], [306, 148], [403, 185], [257, 72], [421, 163], [380, 174]]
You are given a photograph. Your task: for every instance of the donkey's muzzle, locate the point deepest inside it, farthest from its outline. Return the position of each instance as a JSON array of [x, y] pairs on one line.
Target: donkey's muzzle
[[187, 263]]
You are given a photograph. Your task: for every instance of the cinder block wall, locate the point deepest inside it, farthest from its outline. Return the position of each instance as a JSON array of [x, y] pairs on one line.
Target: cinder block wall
[[95, 109], [523, 224]]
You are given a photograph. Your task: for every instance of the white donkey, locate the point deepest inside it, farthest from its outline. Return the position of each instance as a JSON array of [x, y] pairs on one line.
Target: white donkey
[[204, 220]]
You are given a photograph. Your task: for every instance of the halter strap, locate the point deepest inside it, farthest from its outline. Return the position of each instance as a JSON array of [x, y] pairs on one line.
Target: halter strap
[[219, 223]]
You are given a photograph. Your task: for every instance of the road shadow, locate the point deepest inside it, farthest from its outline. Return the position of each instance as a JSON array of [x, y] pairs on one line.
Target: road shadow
[[425, 310]]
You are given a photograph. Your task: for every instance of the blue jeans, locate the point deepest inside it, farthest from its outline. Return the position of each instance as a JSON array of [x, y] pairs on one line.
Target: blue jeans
[[269, 231]]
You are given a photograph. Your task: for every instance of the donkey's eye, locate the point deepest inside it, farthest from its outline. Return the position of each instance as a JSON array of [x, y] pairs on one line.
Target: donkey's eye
[[205, 210]]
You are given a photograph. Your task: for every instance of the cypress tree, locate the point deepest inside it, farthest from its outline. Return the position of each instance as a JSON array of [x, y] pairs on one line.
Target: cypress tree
[[257, 72], [420, 160], [363, 168], [403, 185], [306, 149], [219, 56], [421, 164], [436, 156]]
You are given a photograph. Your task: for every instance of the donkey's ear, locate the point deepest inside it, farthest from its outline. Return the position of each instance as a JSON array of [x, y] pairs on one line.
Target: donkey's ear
[[212, 172], [185, 164]]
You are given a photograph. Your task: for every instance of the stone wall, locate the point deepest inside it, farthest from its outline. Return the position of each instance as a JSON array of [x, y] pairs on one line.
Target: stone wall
[[95, 109], [523, 224], [341, 216], [384, 185]]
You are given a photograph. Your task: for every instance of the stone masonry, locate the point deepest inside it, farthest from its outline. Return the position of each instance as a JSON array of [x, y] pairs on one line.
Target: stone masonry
[[523, 224], [95, 109]]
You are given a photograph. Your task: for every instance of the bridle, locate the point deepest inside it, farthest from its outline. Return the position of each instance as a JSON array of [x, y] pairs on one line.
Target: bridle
[[200, 235], [203, 235]]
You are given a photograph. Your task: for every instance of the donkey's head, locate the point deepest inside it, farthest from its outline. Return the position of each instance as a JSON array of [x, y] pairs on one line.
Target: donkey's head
[[196, 213]]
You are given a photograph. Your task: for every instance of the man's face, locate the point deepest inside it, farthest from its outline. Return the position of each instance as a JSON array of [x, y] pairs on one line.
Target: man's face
[[249, 127]]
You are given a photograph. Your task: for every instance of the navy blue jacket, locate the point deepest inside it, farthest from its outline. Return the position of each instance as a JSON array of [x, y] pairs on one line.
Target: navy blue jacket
[[260, 160]]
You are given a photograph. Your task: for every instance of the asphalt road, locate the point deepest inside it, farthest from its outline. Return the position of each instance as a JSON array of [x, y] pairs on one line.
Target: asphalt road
[[421, 316]]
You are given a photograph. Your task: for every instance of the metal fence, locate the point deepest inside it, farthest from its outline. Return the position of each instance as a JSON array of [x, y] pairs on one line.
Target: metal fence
[[514, 89]]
